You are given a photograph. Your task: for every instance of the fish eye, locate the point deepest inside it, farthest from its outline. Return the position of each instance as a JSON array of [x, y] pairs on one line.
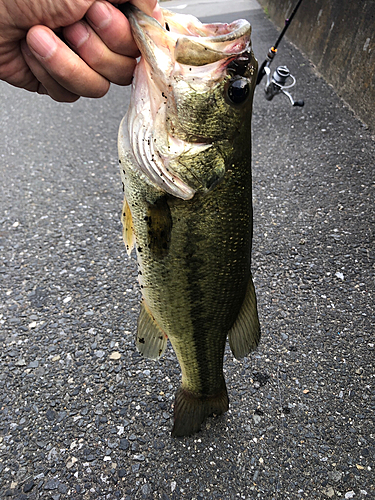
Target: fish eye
[[238, 90]]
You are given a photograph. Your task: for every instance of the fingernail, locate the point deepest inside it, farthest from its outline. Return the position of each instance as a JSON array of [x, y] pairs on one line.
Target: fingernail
[[42, 43], [76, 34], [99, 15]]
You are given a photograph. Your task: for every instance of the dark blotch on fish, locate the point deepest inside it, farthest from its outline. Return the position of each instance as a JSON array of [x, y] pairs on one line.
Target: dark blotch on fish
[[159, 222]]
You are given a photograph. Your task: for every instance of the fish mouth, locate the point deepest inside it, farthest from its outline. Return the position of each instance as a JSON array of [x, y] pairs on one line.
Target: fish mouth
[[183, 48], [185, 38]]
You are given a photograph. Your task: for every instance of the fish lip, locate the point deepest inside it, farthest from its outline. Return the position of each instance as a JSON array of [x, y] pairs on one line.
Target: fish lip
[[233, 31], [136, 15]]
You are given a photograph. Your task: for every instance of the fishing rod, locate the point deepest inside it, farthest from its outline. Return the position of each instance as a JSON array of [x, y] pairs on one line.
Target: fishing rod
[[278, 82]]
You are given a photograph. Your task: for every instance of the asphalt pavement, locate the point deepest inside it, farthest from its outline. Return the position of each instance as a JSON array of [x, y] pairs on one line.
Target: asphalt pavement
[[83, 416]]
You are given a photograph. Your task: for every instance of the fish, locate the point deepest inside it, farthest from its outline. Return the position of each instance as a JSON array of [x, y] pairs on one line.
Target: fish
[[185, 161]]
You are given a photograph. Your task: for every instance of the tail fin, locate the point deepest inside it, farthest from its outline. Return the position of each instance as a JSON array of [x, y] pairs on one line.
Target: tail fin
[[190, 410]]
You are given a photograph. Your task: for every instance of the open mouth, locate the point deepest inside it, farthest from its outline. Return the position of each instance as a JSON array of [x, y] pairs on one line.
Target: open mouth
[[186, 39]]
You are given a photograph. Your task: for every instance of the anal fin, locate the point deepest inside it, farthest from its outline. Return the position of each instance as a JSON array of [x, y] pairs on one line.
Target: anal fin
[[244, 335], [127, 232], [151, 340]]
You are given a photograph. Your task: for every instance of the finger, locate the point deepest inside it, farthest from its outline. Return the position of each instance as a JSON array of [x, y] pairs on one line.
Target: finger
[[44, 83], [14, 70], [63, 65], [112, 27], [90, 47]]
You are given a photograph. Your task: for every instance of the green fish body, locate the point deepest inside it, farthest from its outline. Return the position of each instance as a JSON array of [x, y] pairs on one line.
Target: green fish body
[[185, 152]]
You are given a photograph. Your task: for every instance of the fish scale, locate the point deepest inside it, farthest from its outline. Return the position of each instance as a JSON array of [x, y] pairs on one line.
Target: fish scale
[[194, 254]]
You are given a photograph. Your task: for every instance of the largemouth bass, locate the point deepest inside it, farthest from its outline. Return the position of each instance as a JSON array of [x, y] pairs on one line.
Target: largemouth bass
[[184, 149]]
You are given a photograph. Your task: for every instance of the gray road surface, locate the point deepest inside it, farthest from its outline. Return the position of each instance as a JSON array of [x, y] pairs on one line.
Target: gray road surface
[[82, 415]]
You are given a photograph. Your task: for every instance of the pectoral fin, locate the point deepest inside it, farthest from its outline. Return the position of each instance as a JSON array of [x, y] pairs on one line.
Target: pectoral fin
[[151, 340], [127, 231], [244, 335]]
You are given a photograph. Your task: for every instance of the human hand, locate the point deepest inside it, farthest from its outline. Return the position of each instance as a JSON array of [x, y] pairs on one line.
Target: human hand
[[101, 48]]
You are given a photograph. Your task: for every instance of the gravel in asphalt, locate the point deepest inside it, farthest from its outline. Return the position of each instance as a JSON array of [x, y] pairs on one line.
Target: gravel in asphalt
[[83, 416]]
